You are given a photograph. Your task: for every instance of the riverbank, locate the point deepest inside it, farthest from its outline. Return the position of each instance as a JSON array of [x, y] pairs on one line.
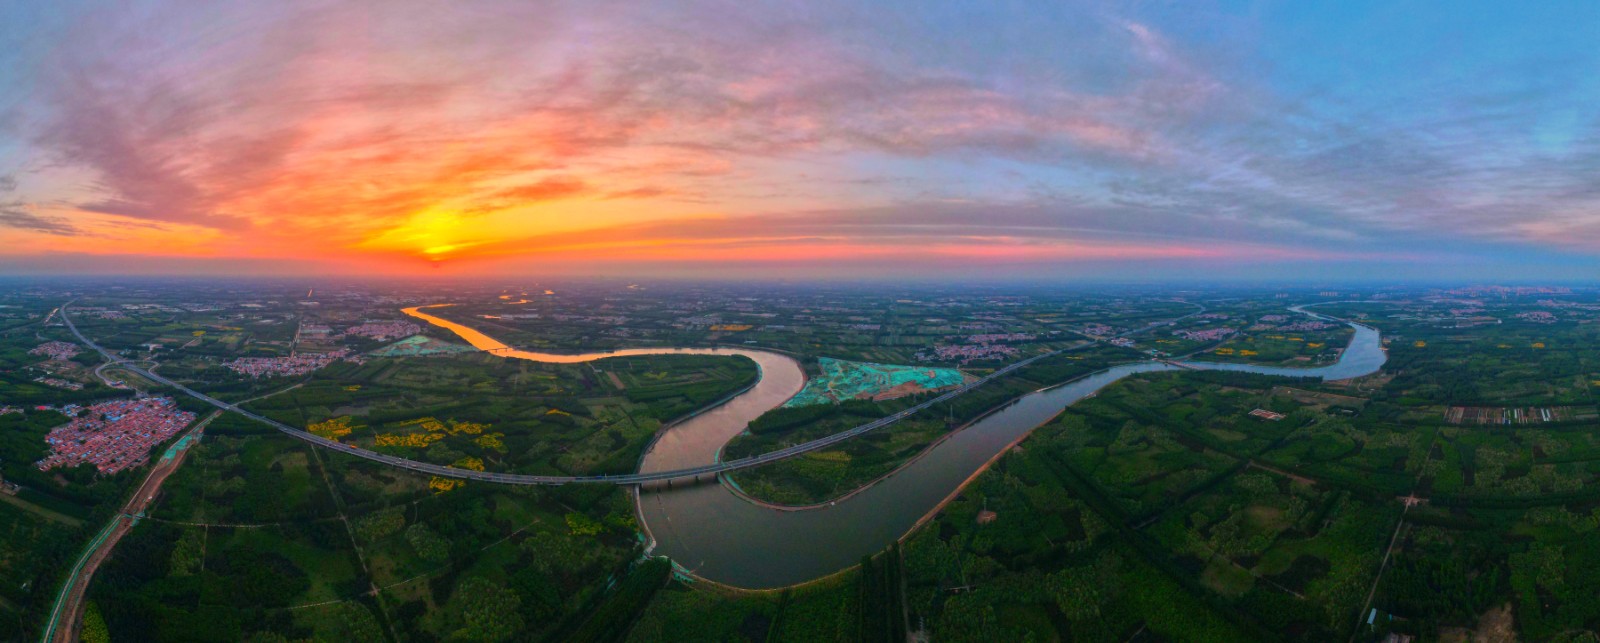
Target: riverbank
[[733, 485], [717, 535], [829, 475], [713, 534]]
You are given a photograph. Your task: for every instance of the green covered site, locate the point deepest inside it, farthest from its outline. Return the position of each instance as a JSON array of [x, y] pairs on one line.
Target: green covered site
[[846, 380], [416, 345]]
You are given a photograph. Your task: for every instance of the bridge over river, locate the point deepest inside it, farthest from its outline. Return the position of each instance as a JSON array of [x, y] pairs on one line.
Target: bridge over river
[[712, 533], [689, 473]]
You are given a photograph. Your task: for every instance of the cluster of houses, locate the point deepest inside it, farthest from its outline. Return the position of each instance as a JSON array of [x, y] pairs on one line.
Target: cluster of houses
[[56, 350], [58, 383], [964, 353], [1208, 335], [291, 365], [1537, 317], [114, 435], [384, 331], [1099, 330], [1306, 326], [995, 338]]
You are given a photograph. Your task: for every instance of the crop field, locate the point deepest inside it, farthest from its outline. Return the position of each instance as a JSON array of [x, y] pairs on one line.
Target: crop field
[[1505, 364], [1286, 348], [828, 473], [1513, 415], [45, 517], [1164, 507], [490, 413], [1159, 491], [34, 547], [845, 327], [1453, 565], [1321, 400], [1269, 530], [857, 605], [256, 477], [480, 561], [20, 368], [1045, 564]]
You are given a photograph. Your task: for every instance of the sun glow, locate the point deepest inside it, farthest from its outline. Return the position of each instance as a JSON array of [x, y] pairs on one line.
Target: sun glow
[[431, 234]]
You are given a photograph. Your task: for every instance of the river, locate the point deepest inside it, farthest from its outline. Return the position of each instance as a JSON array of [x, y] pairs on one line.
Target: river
[[721, 537]]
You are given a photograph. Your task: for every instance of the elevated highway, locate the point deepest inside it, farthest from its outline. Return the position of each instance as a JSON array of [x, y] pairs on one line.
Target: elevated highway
[[527, 479]]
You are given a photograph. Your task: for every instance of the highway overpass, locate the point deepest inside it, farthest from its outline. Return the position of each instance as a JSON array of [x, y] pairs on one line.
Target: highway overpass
[[526, 479]]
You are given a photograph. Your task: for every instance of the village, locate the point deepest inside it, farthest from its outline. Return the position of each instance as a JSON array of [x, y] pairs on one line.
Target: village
[[115, 435], [287, 366], [56, 350]]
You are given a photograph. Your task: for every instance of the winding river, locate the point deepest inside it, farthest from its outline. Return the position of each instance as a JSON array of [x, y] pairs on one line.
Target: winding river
[[718, 536]]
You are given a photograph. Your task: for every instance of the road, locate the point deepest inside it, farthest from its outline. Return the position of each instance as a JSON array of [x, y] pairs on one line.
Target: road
[[620, 479], [66, 617]]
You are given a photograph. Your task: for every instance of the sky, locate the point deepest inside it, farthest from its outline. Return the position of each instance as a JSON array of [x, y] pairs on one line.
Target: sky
[[920, 140]]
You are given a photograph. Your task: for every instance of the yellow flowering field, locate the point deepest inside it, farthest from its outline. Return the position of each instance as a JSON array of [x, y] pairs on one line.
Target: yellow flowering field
[[332, 428], [415, 440]]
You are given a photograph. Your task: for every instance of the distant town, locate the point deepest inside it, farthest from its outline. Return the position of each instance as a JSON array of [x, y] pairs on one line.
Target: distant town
[[1222, 449]]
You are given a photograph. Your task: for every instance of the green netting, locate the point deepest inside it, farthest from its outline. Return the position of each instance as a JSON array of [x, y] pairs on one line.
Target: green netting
[[177, 447], [844, 380], [420, 345]]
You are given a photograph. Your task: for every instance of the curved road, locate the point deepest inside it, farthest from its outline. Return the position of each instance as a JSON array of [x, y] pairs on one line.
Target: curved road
[[525, 479], [716, 535]]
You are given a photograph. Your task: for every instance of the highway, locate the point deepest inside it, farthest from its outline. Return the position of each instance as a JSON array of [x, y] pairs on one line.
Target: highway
[[620, 479]]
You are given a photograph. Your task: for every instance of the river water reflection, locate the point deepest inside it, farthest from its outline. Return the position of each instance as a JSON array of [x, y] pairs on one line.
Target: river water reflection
[[719, 536]]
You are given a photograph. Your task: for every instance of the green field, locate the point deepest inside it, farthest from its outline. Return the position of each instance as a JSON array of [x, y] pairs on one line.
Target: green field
[[1159, 509], [826, 474], [480, 410]]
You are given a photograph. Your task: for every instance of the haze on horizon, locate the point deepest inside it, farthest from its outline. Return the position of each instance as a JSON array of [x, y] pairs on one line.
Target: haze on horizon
[[1074, 140]]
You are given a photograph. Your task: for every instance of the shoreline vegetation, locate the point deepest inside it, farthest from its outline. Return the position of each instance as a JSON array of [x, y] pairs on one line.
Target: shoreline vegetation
[[829, 475], [1175, 505]]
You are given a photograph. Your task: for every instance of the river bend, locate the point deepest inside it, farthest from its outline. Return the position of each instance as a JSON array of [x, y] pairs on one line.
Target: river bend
[[715, 534]]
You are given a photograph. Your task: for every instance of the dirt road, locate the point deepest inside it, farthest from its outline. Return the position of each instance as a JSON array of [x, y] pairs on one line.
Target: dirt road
[[67, 617]]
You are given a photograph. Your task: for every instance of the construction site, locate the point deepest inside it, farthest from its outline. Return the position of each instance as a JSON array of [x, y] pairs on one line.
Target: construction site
[[842, 380], [420, 345]]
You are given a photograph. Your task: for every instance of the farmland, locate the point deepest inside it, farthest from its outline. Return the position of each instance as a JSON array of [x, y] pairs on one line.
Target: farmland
[[1175, 505], [829, 473], [508, 415]]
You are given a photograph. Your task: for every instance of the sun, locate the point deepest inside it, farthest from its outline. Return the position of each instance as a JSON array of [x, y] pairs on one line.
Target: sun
[[431, 234]]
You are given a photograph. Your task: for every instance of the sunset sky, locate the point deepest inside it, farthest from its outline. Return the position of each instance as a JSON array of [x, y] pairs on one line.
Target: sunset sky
[[803, 139]]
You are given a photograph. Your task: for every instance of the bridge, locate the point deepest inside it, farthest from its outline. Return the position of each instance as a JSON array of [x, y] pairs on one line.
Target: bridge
[[528, 479]]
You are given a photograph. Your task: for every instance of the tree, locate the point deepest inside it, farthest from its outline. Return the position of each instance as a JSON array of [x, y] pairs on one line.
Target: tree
[[482, 610], [94, 625]]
